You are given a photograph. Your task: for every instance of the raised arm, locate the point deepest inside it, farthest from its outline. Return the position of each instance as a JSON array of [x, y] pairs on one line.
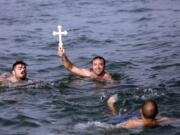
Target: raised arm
[[70, 66]]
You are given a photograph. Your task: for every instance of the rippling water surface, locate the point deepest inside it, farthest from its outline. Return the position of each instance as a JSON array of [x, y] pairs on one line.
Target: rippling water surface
[[139, 39]]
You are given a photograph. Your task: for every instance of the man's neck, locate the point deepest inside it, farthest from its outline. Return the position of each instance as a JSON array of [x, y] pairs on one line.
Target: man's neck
[[100, 75], [150, 122]]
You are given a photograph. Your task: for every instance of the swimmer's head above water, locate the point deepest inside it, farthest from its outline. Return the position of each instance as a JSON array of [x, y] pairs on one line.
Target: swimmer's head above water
[[19, 73], [98, 65], [19, 70], [149, 109]]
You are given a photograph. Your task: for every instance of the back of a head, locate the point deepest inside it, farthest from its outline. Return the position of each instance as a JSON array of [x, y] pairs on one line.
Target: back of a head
[[149, 109], [17, 63]]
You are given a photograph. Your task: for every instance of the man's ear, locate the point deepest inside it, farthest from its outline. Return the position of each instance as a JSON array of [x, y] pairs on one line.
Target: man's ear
[[13, 72], [140, 110]]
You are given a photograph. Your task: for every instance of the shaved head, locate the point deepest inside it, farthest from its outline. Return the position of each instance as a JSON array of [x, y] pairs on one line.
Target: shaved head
[[150, 109]]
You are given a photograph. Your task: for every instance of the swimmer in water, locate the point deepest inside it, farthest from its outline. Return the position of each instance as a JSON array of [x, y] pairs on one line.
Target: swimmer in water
[[19, 73], [98, 67], [147, 118]]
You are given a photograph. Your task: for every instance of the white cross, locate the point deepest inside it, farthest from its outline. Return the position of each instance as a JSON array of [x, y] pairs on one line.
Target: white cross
[[60, 33]]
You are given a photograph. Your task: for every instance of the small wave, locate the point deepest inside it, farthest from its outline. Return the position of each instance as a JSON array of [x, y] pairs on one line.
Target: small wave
[[3, 39], [84, 38], [94, 124], [147, 93], [144, 19], [7, 85], [136, 93], [104, 127], [139, 10], [173, 83], [166, 66]]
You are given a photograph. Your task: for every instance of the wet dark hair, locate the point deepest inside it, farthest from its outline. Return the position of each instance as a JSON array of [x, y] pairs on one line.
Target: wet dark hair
[[149, 109], [99, 57], [17, 63]]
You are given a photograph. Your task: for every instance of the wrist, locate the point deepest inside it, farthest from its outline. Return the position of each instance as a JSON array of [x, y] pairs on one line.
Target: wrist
[[64, 57]]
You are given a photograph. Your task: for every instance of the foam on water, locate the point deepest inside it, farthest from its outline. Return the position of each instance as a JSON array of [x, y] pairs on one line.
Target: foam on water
[[94, 124]]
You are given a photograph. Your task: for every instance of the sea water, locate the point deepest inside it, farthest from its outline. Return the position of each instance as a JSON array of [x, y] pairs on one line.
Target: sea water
[[138, 38]]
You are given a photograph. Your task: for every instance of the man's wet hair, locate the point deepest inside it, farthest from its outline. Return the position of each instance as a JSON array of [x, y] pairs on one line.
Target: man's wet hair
[[17, 63], [99, 57], [149, 109]]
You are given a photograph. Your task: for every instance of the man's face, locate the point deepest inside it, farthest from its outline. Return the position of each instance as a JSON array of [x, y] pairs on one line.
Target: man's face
[[20, 72], [98, 66]]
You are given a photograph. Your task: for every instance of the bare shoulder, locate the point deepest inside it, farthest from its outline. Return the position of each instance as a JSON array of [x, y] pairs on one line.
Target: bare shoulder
[[108, 77], [132, 123]]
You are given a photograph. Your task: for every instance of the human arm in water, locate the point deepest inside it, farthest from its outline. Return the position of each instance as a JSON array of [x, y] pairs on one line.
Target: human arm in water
[[111, 103], [70, 66], [3, 77]]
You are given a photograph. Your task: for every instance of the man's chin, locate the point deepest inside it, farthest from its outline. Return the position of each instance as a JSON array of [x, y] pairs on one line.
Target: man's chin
[[98, 73]]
